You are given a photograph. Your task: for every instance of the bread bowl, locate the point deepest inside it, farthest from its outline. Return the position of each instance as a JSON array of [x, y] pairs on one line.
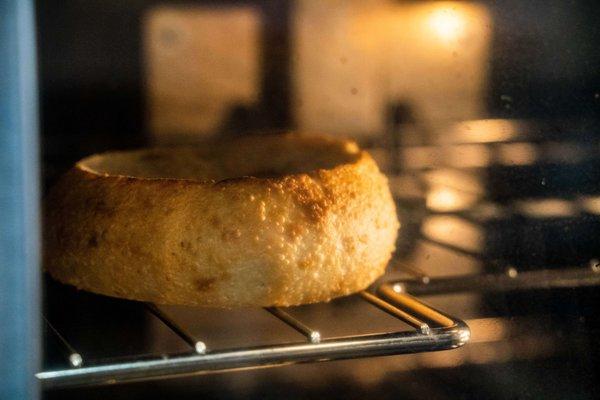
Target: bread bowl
[[271, 220]]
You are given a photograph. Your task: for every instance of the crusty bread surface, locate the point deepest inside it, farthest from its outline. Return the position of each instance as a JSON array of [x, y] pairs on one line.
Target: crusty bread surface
[[274, 220]]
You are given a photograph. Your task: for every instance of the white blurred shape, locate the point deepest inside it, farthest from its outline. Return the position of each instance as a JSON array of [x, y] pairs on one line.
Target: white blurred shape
[[446, 199]]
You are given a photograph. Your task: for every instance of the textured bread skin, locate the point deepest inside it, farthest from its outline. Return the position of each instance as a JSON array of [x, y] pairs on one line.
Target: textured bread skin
[[290, 239]]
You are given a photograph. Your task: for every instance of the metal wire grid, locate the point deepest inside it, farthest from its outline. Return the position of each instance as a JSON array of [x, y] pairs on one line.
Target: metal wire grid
[[432, 331]]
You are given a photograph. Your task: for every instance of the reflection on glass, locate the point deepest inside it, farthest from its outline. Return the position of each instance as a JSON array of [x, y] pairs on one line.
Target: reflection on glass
[[454, 231], [493, 340], [435, 260], [467, 181], [528, 347], [353, 59], [446, 359], [547, 208], [517, 154], [446, 199], [202, 63], [488, 329], [590, 204], [468, 155], [485, 131]]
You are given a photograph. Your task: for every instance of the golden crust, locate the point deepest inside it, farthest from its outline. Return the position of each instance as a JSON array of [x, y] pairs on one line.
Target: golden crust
[[207, 239]]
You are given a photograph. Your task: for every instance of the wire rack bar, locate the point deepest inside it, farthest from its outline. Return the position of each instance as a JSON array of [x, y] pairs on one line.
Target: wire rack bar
[[335, 349], [312, 335], [400, 342], [406, 301], [509, 281], [198, 345], [75, 359], [383, 305]]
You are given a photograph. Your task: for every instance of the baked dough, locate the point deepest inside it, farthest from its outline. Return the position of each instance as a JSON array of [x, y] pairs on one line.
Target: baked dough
[[271, 220]]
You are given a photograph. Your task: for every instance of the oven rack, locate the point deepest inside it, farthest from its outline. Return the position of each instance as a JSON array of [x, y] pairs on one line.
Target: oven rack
[[511, 279], [431, 330]]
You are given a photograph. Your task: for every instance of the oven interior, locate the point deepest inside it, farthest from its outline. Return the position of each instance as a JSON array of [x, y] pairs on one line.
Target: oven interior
[[484, 117]]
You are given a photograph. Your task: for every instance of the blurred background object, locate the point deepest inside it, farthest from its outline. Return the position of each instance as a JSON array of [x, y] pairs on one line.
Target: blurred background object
[[149, 69], [202, 69]]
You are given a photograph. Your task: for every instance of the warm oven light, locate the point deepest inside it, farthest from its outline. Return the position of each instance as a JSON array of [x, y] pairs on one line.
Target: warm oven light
[[447, 23]]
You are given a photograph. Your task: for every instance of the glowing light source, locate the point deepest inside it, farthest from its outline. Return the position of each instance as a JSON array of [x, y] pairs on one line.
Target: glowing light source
[[447, 23], [445, 199]]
